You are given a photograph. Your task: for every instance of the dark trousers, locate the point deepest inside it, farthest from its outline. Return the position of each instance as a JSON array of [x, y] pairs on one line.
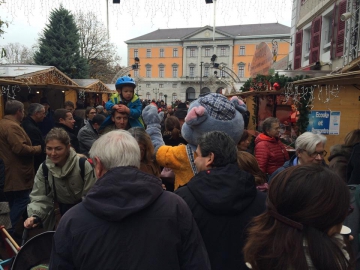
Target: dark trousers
[[18, 201]]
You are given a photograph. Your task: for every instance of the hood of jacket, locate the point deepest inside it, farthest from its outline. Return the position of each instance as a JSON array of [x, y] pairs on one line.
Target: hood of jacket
[[262, 137], [61, 172], [225, 190], [121, 192], [340, 150]]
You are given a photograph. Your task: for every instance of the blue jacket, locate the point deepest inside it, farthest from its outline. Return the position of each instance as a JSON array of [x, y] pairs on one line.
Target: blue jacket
[[292, 162], [134, 105]]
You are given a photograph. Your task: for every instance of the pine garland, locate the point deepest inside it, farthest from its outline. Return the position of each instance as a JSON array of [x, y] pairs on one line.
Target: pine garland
[[263, 83]]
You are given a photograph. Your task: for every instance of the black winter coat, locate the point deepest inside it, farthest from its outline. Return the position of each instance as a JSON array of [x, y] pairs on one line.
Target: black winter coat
[[127, 221], [223, 201], [33, 131], [73, 138]]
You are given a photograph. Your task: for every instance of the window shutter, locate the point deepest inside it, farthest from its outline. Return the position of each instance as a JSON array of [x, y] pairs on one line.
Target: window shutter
[[298, 49], [333, 23], [315, 40], [340, 37]]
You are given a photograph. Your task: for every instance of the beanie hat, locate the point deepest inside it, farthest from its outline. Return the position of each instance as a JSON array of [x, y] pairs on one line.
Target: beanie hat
[[218, 106]]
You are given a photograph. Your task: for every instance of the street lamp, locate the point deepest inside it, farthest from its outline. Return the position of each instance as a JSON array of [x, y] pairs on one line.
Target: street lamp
[[138, 89], [165, 96], [156, 92]]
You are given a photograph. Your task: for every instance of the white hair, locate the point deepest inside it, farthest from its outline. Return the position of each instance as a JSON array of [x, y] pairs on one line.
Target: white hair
[[116, 148], [308, 141]]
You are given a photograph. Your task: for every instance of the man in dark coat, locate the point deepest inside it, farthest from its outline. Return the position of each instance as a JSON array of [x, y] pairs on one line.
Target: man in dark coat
[[127, 221], [48, 123], [36, 114], [88, 134], [64, 119], [223, 200], [79, 122]]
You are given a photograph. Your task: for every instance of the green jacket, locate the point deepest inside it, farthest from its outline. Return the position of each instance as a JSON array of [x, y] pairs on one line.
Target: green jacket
[[70, 188]]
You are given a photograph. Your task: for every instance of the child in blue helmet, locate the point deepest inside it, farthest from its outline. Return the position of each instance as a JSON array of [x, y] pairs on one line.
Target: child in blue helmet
[[125, 101]]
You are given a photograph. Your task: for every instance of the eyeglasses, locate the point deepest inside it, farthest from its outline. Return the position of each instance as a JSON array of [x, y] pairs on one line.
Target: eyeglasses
[[315, 154]]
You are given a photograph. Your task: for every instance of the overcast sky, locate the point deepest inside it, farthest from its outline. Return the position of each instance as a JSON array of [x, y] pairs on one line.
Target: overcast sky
[[132, 18]]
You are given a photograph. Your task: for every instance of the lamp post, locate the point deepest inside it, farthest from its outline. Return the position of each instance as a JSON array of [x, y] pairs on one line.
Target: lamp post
[[165, 96], [138, 89], [156, 92], [201, 65]]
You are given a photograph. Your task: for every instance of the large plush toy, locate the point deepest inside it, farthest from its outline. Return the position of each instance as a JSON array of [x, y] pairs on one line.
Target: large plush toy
[[208, 113]]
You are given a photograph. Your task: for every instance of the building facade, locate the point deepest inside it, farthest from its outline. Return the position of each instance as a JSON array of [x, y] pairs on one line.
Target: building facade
[[176, 63], [325, 34]]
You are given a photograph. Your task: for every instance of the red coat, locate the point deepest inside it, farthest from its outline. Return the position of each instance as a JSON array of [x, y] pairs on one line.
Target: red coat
[[270, 153]]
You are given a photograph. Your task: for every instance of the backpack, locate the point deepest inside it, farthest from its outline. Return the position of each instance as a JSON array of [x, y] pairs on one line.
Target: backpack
[[353, 221], [45, 169]]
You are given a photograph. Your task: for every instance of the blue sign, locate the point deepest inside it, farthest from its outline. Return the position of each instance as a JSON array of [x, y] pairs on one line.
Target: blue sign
[[319, 122]]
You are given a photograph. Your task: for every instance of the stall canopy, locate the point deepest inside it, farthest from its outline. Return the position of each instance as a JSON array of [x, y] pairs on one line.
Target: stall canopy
[[348, 78], [34, 76], [94, 85]]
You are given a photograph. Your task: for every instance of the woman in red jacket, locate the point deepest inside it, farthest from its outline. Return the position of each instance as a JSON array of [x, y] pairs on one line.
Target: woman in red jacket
[[270, 152]]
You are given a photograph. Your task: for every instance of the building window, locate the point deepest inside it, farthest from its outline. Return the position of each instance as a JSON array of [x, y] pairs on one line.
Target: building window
[[222, 73], [161, 96], [241, 72], [207, 51], [206, 71], [222, 51], [174, 85], [148, 95], [242, 50], [136, 73], [161, 52], [175, 71], [192, 71], [161, 85], [148, 85], [161, 71], [175, 52], [148, 71], [136, 53], [174, 97], [192, 52], [148, 52]]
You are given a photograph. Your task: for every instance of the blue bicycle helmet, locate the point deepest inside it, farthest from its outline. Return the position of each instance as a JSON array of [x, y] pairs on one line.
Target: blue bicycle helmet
[[124, 81]]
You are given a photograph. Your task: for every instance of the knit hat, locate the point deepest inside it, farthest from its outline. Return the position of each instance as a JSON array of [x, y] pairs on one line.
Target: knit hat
[[181, 111], [218, 106]]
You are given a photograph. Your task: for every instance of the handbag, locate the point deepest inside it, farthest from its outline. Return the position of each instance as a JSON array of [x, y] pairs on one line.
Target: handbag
[[5, 215]]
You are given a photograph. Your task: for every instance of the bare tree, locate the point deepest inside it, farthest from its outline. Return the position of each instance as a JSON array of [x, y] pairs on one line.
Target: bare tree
[[17, 53], [96, 47]]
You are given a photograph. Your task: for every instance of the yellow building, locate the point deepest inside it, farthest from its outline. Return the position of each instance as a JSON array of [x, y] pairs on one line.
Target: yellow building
[[176, 63]]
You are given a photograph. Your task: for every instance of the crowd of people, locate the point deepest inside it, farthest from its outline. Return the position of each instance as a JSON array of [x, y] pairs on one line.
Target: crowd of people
[[145, 185]]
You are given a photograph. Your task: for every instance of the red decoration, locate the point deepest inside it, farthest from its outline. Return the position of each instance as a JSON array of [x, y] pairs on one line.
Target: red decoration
[[276, 86]]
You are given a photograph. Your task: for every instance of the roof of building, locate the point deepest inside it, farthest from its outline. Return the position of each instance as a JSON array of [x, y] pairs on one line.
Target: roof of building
[[85, 82], [14, 70], [233, 30]]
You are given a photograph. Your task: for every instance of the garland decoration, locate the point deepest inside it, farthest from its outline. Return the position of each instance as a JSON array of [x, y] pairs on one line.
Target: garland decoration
[[301, 95]]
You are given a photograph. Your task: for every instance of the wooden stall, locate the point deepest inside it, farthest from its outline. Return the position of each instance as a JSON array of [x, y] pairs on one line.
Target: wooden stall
[[340, 94], [18, 81], [95, 92]]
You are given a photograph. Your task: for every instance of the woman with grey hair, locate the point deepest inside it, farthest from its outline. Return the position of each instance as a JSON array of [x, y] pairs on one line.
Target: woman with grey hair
[[309, 149]]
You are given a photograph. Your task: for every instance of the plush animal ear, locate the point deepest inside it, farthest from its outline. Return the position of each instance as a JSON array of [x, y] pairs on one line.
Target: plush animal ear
[[196, 116], [239, 104]]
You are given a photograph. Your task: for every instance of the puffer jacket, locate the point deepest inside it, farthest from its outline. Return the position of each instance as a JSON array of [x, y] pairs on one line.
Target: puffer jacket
[[70, 187], [270, 153]]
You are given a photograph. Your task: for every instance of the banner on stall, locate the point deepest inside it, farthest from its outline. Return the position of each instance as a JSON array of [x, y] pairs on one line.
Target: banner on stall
[[324, 122]]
